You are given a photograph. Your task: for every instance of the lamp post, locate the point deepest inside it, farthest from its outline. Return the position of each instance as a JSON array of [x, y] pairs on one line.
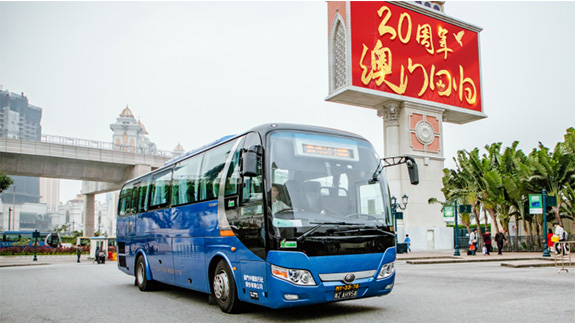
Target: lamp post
[[456, 251], [9, 217], [394, 207], [545, 245]]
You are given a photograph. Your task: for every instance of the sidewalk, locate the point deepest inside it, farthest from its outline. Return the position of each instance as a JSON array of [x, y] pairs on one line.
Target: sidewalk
[[16, 261], [508, 259]]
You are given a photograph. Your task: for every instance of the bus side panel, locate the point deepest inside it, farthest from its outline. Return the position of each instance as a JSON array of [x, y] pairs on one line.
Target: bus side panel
[[189, 262], [153, 236], [252, 283]]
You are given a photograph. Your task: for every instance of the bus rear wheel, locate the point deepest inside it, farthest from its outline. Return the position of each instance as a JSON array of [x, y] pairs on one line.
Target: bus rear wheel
[[144, 284], [224, 288]]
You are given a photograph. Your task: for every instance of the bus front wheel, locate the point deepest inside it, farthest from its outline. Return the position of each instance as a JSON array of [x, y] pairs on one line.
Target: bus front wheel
[[224, 288], [144, 284]]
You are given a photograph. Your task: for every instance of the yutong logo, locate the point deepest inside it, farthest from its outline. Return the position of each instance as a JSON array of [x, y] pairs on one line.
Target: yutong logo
[[349, 278]]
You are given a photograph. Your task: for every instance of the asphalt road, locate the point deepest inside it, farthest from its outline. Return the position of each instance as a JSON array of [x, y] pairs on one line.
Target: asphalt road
[[463, 292]]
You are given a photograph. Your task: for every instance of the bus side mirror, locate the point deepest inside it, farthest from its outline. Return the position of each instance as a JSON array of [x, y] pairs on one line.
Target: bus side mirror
[[250, 161], [412, 170]]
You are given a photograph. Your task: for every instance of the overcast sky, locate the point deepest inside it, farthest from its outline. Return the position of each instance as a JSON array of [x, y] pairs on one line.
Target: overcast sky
[[196, 71]]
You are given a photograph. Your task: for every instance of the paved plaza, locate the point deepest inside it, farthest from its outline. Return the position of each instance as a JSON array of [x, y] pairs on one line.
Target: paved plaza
[[430, 287]]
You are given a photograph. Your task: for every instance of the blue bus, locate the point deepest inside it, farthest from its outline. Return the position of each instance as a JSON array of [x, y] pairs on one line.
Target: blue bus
[[280, 216], [12, 238]]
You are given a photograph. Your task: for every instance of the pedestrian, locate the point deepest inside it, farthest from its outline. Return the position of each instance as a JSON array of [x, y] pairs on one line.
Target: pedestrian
[[499, 237], [562, 234], [473, 242], [487, 243], [408, 242], [550, 243], [79, 252]]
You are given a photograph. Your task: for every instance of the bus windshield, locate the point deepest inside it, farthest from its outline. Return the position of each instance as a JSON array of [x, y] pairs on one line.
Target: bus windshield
[[320, 188]]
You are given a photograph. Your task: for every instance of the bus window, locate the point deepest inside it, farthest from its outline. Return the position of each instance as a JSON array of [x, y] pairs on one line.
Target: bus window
[[125, 203], [212, 167], [186, 181], [233, 178], [142, 200], [160, 188]]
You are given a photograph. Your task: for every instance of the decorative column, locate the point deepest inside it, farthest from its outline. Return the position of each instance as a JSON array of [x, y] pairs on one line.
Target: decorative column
[[390, 113], [415, 130]]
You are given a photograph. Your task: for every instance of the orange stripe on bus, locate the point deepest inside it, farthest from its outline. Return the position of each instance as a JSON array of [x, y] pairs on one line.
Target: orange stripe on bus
[[226, 233]]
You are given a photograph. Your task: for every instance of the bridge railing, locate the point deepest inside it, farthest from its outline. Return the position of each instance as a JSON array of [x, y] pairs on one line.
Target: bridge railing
[[78, 142]]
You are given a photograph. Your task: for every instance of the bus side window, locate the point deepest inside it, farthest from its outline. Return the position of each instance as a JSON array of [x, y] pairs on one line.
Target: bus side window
[[186, 181], [159, 196], [252, 187], [142, 201], [212, 167], [233, 177], [125, 200]]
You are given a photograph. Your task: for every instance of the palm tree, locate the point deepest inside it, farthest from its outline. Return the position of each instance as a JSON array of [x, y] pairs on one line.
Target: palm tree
[[552, 171]]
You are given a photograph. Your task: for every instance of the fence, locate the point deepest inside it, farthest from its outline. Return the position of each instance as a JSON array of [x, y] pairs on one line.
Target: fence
[[104, 145], [513, 243]]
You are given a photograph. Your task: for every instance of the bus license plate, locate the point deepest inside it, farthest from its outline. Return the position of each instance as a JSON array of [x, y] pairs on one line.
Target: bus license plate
[[346, 291]]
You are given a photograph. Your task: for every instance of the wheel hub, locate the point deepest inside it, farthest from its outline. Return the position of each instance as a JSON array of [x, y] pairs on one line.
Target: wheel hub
[[221, 286]]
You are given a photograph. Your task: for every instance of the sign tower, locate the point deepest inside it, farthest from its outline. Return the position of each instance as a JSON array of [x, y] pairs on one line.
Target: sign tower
[[418, 68]]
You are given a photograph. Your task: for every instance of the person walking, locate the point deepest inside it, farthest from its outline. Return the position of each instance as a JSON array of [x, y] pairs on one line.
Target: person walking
[[79, 252], [550, 243], [562, 234], [408, 242], [499, 238], [473, 242], [487, 242]]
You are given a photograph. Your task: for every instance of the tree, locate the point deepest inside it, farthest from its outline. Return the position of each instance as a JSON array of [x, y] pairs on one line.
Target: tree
[[552, 171], [5, 181]]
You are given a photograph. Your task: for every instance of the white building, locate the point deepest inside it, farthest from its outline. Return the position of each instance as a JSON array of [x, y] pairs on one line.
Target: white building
[[72, 214], [130, 134]]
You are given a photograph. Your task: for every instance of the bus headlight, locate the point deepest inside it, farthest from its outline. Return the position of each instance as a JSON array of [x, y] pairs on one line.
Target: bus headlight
[[386, 270], [294, 276]]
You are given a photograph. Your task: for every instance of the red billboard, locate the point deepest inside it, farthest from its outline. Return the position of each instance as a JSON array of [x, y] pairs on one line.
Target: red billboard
[[403, 52]]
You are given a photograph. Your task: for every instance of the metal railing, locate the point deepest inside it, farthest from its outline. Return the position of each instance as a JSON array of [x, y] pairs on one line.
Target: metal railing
[[513, 243], [88, 143]]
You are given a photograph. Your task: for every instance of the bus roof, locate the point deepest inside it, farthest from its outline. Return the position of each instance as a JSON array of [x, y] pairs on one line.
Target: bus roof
[[262, 130]]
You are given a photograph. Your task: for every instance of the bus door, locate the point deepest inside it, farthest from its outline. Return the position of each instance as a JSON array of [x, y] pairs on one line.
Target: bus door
[[244, 213]]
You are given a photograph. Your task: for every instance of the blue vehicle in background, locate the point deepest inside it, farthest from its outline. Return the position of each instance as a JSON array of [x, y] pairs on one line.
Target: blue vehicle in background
[[280, 216], [11, 238]]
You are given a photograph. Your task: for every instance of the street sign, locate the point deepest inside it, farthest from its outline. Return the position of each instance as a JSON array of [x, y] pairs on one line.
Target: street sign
[[535, 204], [448, 213], [550, 200], [465, 208], [399, 215]]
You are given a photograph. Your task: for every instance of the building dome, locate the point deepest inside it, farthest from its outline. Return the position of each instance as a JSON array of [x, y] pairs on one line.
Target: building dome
[[126, 113], [179, 149]]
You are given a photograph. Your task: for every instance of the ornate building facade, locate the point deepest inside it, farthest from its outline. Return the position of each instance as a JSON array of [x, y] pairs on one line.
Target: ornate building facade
[[130, 134]]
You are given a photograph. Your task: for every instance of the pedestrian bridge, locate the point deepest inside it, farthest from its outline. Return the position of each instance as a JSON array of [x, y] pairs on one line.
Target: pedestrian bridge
[[101, 167], [95, 162]]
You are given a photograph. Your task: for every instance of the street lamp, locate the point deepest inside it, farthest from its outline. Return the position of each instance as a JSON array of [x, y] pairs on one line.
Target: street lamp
[[9, 217], [394, 207]]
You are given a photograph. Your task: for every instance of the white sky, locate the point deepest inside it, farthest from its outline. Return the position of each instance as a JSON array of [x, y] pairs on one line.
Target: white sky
[[195, 71]]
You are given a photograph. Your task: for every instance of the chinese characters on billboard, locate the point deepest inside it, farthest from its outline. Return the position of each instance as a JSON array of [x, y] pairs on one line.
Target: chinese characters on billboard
[[403, 52]]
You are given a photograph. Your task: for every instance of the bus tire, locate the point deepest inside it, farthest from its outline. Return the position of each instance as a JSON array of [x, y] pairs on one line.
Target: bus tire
[[144, 284], [224, 288]]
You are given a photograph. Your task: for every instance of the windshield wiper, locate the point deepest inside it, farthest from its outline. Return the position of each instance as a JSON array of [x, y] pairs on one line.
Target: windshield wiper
[[319, 224], [369, 228]]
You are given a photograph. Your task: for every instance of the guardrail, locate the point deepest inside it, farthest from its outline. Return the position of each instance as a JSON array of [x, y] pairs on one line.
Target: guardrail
[[78, 142]]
